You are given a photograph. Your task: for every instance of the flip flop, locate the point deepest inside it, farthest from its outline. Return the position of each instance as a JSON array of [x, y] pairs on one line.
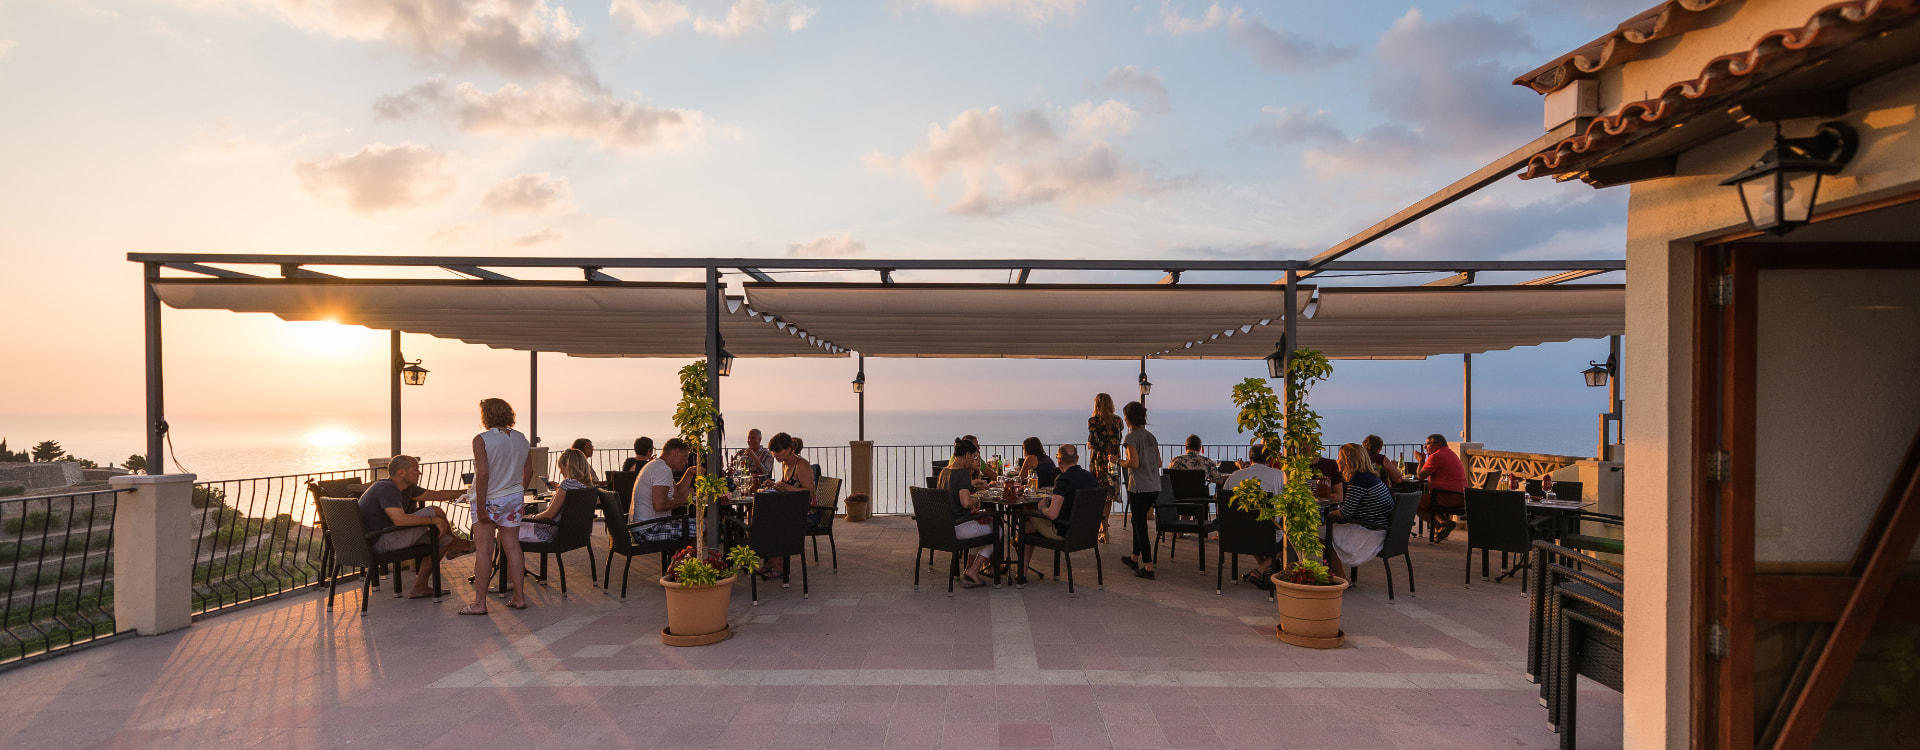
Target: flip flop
[[522, 605], [966, 584], [430, 595], [468, 610]]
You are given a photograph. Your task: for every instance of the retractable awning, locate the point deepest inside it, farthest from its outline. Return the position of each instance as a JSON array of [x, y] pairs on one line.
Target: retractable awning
[[584, 319]]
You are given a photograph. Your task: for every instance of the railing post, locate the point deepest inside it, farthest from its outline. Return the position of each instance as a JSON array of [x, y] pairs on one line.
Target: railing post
[[537, 458], [378, 466], [860, 477], [152, 553]]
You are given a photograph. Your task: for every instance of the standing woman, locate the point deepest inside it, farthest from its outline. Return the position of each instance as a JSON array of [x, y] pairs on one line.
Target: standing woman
[[1143, 486], [1103, 449], [500, 476]]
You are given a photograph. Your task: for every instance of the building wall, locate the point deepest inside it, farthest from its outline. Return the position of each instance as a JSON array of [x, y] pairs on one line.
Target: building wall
[[1666, 220]]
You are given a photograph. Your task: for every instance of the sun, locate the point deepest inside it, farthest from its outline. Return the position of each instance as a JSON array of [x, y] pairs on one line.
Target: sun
[[327, 337], [331, 437]]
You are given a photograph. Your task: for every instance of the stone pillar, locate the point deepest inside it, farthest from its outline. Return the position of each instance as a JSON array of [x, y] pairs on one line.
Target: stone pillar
[[153, 553], [537, 458], [860, 473], [378, 465]]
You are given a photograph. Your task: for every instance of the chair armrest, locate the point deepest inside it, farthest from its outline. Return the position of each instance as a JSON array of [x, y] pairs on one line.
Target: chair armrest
[[657, 521], [372, 535], [542, 521]]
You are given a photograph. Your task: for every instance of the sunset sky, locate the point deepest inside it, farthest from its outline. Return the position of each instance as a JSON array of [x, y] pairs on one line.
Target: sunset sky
[[932, 128]]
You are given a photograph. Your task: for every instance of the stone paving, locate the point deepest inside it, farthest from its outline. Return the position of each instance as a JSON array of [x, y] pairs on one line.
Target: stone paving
[[866, 661]]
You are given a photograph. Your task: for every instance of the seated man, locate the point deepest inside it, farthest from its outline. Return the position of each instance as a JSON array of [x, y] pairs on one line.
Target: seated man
[[1056, 511], [1446, 486], [1264, 469], [384, 505], [656, 494]]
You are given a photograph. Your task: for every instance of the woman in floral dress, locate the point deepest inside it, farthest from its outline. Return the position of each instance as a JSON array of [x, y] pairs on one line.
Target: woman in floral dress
[[1103, 447]]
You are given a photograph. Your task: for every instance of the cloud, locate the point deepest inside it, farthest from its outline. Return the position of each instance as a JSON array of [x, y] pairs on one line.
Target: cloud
[[1272, 47], [1145, 83], [378, 177], [1032, 11], [554, 108], [542, 237], [657, 17], [1007, 161], [1287, 126], [1578, 223], [842, 245], [7, 45], [224, 142], [530, 195], [1447, 76], [515, 38]]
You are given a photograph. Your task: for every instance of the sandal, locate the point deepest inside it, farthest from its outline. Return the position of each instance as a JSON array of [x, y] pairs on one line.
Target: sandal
[[967, 583], [469, 610], [522, 605]]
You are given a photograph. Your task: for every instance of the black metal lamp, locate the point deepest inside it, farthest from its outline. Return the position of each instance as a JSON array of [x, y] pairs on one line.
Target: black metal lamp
[[1146, 386], [1598, 373], [413, 374], [726, 362], [1277, 361], [1778, 192], [860, 382]]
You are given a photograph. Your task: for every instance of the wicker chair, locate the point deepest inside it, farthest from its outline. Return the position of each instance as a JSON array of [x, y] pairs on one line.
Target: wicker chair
[[620, 539], [1082, 534], [821, 517], [779, 529], [933, 516], [353, 547], [1576, 626], [572, 531], [1398, 531], [1499, 525], [1241, 533], [1185, 513]]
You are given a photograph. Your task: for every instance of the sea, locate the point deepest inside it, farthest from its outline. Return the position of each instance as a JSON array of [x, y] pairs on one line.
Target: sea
[[243, 446]]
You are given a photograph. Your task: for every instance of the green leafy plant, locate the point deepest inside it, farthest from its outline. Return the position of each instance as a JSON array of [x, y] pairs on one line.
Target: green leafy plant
[[706, 568], [135, 463], [1295, 430], [696, 417]]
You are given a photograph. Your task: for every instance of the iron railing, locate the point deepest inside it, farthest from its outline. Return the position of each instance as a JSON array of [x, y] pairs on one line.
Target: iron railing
[[58, 576], [256, 538]]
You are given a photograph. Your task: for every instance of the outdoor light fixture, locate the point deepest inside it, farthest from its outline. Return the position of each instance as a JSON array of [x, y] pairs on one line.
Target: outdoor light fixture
[[1277, 361], [1779, 190], [413, 374], [1598, 373], [860, 382], [1146, 386], [726, 362]]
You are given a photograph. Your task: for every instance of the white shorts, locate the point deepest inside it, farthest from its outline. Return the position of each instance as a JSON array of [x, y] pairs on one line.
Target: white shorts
[[972, 530], [1357, 544], [503, 511]]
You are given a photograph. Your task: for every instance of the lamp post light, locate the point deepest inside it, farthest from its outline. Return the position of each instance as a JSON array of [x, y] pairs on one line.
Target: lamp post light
[[1277, 361], [413, 374], [1606, 375], [726, 362], [860, 389], [1778, 192], [1598, 374]]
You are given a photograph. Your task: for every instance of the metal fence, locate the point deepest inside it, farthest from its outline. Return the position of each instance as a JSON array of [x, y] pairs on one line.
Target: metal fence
[[256, 538], [58, 576]]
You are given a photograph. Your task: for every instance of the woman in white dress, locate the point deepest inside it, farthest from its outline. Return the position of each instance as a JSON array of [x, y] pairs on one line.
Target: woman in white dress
[[500, 476]]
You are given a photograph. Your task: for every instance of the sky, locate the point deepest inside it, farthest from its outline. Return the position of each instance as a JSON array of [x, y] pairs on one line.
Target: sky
[[902, 129]]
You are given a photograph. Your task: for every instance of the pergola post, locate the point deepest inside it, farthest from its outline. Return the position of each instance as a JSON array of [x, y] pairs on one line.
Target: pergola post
[[156, 394], [862, 393], [533, 397], [1291, 299], [394, 364], [713, 457], [1466, 398]]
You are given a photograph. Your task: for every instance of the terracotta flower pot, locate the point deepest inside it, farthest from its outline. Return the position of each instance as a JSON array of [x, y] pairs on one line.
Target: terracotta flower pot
[[696, 615], [1310, 615]]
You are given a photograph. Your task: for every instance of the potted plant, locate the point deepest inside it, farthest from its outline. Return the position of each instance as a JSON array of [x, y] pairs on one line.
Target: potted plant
[[699, 587], [1308, 596], [698, 582]]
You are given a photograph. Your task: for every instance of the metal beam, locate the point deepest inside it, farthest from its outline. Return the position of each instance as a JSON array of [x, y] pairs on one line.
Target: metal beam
[[1024, 273], [1562, 277], [533, 397], [1466, 398], [1494, 171], [210, 271], [1462, 278], [394, 362], [757, 275], [480, 273], [886, 275], [294, 271], [713, 458], [885, 266], [1172, 277], [156, 393], [593, 274]]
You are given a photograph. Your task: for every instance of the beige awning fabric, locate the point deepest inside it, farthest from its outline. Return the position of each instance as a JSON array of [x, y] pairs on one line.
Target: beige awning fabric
[[1042, 321], [584, 319], [1415, 322]]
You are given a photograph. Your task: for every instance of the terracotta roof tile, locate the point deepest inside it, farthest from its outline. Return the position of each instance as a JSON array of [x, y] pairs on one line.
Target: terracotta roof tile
[[1669, 18]]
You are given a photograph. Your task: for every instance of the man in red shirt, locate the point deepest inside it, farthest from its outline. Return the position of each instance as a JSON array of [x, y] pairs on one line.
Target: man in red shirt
[[1446, 485]]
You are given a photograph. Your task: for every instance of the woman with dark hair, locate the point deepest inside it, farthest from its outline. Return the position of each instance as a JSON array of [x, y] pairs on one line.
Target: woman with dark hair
[[1103, 448], [1387, 470], [500, 476], [957, 480], [1195, 459], [796, 475], [585, 446], [1036, 463], [1143, 486], [642, 453]]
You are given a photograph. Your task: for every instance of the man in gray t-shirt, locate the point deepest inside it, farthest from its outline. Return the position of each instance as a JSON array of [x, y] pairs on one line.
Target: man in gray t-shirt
[[1266, 471]]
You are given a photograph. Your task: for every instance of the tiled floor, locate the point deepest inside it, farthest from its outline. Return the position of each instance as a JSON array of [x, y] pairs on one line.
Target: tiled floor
[[867, 661]]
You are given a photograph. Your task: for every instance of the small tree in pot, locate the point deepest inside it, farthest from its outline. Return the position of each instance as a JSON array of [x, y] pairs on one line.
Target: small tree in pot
[[1307, 594], [699, 582]]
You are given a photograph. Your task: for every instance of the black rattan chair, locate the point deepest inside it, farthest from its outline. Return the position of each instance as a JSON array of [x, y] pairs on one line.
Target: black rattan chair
[[1398, 531], [933, 516], [779, 529], [1499, 524], [621, 482], [620, 539], [1081, 534], [1576, 629], [820, 522], [572, 531], [1241, 533], [353, 547], [1186, 512]]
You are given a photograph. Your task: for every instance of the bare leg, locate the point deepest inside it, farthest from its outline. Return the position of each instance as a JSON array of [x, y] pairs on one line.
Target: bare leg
[[483, 538], [516, 565]]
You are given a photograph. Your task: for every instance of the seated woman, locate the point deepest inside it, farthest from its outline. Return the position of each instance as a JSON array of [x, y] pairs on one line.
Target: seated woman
[[796, 475], [1357, 528], [642, 453], [1036, 463], [1388, 470], [585, 447], [957, 480], [574, 471]]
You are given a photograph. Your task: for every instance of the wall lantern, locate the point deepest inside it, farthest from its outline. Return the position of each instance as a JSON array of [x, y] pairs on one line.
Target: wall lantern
[[1779, 191], [1598, 373], [726, 362], [1277, 361], [1146, 386], [860, 382], [413, 374]]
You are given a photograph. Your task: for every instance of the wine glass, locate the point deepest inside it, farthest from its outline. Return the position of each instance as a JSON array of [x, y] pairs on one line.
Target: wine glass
[[1546, 486]]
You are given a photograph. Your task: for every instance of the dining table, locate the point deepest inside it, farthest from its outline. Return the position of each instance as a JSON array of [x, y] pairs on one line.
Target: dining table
[[1012, 509]]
